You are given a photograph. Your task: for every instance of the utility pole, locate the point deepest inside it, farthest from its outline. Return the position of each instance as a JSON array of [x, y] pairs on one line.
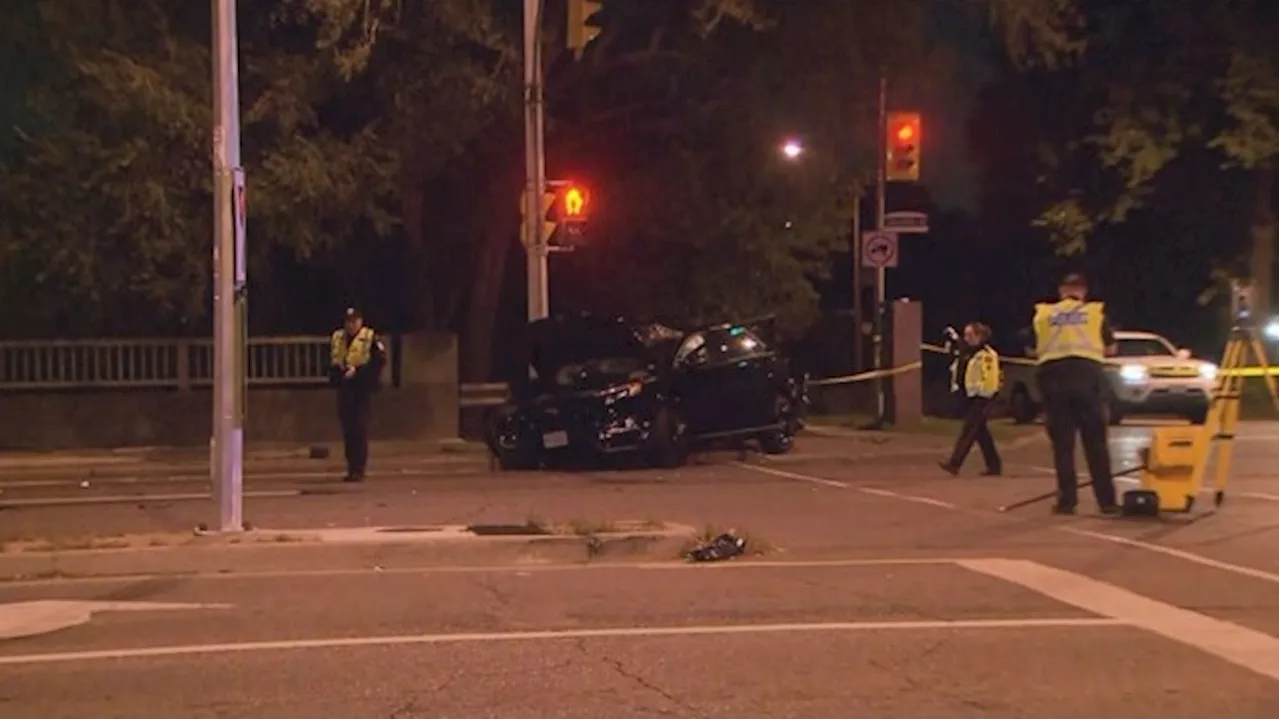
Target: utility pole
[[857, 279], [878, 349], [229, 302], [535, 169]]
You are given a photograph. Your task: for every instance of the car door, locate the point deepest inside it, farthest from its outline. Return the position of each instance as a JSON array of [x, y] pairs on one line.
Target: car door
[[695, 388], [725, 375]]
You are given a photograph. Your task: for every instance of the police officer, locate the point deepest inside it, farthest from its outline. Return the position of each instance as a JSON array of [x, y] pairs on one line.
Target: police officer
[[979, 365], [1072, 339], [356, 356]]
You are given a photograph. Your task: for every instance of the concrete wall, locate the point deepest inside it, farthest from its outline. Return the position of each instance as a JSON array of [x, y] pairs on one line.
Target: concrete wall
[[424, 405]]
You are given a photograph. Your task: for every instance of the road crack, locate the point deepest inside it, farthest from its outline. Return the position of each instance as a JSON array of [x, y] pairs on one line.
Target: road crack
[[683, 708]]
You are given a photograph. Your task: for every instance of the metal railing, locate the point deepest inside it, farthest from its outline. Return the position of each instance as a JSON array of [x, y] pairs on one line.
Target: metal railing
[[180, 364], [487, 394]]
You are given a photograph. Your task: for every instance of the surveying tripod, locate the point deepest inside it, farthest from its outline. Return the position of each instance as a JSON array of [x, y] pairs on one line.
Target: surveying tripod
[[1174, 467]]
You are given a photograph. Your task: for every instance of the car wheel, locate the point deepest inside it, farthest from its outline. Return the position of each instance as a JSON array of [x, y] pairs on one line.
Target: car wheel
[[780, 441], [1021, 408], [669, 441], [512, 452]]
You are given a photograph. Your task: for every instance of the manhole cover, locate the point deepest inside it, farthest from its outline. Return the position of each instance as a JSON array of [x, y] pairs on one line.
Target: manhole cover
[[489, 530], [409, 530]]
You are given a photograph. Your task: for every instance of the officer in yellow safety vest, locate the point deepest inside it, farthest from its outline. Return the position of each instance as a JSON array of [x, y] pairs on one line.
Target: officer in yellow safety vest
[[1072, 340], [356, 356], [980, 368]]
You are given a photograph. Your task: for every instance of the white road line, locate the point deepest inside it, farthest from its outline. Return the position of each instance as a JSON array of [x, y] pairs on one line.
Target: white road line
[[1178, 553], [1115, 539], [126, 499], [605, 633], [874, 491], [1243, 647]]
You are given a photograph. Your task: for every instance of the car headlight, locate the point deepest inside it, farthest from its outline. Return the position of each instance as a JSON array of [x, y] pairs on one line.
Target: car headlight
[[1272, 329], [1133, 373], [1208, 372], [630, 389]]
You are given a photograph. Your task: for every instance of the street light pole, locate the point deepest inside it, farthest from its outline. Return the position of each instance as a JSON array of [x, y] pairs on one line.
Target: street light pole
[[878, 339], [535, 170], [229, 302]]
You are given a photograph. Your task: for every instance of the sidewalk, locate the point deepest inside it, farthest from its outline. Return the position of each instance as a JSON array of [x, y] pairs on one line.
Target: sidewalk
[[170, 457]]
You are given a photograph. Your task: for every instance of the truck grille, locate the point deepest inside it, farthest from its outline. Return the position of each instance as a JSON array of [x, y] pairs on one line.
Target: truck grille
[[1174, 372]]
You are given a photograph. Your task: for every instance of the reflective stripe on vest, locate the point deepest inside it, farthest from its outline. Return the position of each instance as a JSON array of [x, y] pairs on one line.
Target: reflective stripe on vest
[[1069, 328], [353, 354], [982, 375]]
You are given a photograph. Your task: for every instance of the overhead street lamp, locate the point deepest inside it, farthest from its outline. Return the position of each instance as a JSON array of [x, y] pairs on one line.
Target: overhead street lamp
[[792, 149]]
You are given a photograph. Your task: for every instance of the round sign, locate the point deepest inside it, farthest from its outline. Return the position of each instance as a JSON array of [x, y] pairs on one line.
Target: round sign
[[879, 249]]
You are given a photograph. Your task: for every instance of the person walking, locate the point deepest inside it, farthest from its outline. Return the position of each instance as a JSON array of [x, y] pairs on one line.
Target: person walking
[[1072, 340], [979, 366], [356, 358]]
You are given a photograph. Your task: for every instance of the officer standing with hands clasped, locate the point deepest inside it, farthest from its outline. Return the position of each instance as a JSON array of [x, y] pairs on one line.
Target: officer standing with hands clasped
[[356, 356], [979, 366], [1072, 340]]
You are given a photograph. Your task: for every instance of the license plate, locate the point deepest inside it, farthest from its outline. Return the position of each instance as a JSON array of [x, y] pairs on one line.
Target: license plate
[[554, 440]]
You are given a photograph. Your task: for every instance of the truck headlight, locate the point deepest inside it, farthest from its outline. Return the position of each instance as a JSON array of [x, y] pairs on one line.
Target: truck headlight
[[1133, 373], [1208, 372]]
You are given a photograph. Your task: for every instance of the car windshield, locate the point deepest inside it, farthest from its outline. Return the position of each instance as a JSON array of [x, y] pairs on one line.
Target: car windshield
[[1142, 347]]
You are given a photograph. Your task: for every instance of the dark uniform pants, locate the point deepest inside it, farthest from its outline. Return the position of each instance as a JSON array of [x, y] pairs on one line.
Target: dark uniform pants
[[974, 429], [1074, 391], [353, 413]]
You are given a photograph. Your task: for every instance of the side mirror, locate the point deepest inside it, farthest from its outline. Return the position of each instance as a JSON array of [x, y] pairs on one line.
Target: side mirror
[[1184, 354]]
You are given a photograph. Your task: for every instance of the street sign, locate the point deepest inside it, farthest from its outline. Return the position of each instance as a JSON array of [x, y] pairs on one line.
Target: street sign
[[239, 212], [879, 249], [907, 222]]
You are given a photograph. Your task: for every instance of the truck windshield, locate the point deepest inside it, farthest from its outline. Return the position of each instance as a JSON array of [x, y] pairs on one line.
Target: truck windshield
[[1145, 347]]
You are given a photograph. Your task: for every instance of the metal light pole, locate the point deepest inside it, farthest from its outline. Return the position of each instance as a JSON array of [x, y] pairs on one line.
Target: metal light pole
[[878, 339], [229, 307], [535, 169]]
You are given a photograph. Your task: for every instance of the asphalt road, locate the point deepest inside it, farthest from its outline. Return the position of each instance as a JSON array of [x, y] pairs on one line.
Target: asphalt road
[[891, 590]]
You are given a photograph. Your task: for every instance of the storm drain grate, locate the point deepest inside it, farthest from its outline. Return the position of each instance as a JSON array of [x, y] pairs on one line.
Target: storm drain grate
[[514, 530]]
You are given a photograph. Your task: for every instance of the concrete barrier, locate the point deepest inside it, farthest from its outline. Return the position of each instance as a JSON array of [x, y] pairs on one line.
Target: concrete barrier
[[420, 402]]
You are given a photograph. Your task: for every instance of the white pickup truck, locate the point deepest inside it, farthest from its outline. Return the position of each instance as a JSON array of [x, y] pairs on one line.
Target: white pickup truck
[[1148, 375]]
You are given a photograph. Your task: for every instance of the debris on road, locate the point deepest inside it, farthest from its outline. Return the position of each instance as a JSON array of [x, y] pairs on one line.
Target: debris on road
[[725, 546]]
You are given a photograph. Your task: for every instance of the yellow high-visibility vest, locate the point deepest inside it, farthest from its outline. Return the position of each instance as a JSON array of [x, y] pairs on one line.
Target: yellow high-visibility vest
[[982, 375], [355, 353], [1069, 328]]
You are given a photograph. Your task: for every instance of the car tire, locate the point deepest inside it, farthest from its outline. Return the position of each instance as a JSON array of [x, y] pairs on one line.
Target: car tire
[[781, 441], [1021, 408], [513, 455], [669, 441]]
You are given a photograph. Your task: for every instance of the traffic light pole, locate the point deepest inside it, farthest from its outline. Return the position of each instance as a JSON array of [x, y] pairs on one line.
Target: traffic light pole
[[229, 302], [878, 349], [535, 173]]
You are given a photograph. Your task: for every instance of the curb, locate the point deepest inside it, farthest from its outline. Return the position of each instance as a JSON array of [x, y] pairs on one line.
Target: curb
[[319, 556]]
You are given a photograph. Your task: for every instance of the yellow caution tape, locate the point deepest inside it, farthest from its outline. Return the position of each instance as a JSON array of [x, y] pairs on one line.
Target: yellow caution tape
[[877, 374]]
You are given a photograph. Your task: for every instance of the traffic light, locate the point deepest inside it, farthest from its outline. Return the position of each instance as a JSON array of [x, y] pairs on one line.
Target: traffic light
[[548, 225], [584, 25], [903, 143], [572, 210]]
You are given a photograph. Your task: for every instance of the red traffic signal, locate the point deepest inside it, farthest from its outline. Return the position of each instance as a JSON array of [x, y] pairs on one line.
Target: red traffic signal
[[903, 147]]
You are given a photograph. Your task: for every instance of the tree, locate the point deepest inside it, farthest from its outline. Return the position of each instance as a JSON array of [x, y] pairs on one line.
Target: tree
[[1159, 80], [106, 222]]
